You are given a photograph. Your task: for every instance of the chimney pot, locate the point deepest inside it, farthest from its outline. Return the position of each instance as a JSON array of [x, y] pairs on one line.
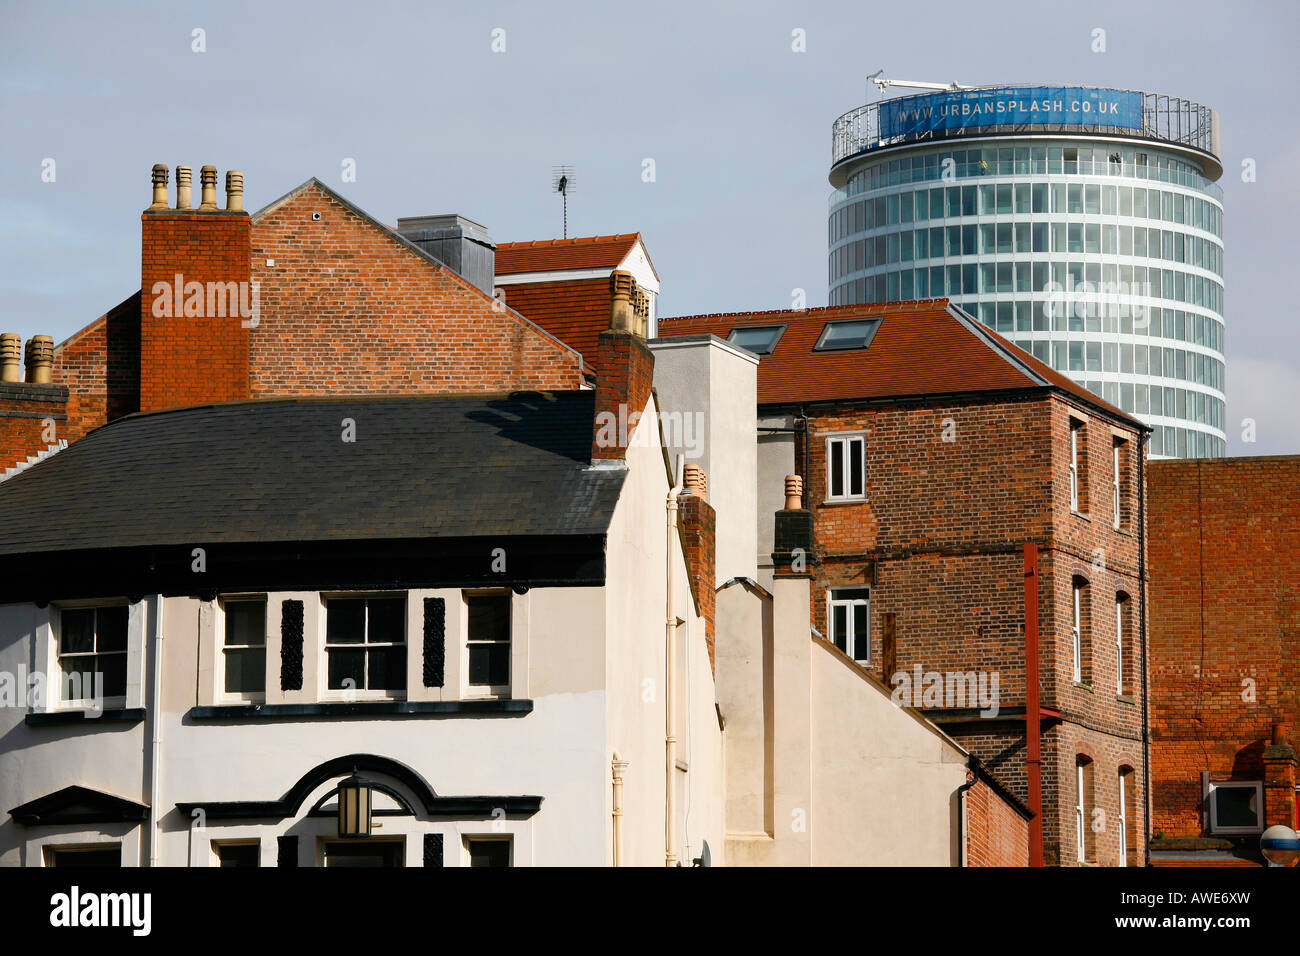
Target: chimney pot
[[11, 356], [40, 356], [234, 191], [1280, 732], [793, 492], [184, 195], [696, 481], [622, 288], [208, 196], [159, 187]]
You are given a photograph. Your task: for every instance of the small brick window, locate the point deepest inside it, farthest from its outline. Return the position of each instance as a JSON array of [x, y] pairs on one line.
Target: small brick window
[[1235, 806], [1123, 644], [1080, 632], [1078, 466], [1085, 844]]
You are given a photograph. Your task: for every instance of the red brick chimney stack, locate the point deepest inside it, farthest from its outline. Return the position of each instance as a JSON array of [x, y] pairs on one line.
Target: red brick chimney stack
[[195, 294], [626, 371]]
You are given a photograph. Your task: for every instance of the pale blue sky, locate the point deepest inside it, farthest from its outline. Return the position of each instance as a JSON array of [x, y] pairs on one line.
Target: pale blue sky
[[737, 123]]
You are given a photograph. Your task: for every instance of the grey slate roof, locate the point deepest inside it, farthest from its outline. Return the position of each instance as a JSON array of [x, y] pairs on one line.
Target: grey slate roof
[[279, 470]]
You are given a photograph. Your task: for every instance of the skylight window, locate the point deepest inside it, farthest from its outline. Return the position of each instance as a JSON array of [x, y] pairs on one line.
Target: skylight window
[[847, 334], [759, 339]]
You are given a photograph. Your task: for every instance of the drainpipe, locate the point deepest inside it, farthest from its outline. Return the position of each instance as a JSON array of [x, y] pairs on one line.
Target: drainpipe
[[670, 728], [153, 608], [1033, 723], [617, 766], [1142, 583], [961, 808]]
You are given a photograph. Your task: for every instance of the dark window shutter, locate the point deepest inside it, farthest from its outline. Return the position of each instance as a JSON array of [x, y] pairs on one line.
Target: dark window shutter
[[291, 645], [287, 851], [433, 844], [435, 642]]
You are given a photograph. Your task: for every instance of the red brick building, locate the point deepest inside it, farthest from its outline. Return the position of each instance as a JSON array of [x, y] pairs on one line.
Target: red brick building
[[932, 451], [342, 303], [1224, 632]]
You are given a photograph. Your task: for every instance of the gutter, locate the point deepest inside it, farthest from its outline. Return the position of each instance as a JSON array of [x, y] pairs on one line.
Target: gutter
[[972, 779]]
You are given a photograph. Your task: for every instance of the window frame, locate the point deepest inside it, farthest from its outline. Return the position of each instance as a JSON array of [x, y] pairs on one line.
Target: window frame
[[1080, 813], [1117, 483], [1075, 497], [110, 701], [472, 838], [490, 690], [364, 693], [221, 646], [1212, 805], [1120, 602], [778, 330], [848, 439], [850, 639], [874, 323], [1076, 631], [1123, 817]]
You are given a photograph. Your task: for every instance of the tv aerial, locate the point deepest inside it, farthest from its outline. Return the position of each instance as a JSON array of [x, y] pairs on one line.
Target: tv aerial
[[562, 182]]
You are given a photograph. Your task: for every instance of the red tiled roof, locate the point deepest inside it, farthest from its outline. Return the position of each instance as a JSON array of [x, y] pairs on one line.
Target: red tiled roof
[[927, 347], [575, 311], [550, 255]]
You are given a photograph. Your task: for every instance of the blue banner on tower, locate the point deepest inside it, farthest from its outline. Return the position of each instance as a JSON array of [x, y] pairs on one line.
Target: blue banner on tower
[[1016, 106]]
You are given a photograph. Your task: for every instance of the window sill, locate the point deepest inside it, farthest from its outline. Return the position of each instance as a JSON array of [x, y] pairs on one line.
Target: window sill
[[487, 707], [1080, 685], [1081, 514], [832, 502], [54, 718], [1126, 699]]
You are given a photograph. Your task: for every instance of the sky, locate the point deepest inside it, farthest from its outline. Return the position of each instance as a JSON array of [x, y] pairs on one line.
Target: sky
[[705, 126]]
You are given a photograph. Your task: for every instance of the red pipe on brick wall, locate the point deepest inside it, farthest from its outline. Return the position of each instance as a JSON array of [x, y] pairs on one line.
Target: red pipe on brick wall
[[1033, 724]]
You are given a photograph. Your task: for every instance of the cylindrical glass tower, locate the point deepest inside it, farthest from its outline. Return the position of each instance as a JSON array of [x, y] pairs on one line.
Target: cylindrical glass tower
[[1083, 224]]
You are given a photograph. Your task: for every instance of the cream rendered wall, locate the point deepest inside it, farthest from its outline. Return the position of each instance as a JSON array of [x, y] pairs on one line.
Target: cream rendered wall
[[105, 756], [885, 782], [822, 768], [703, 375], [555, 752], [636, 576]]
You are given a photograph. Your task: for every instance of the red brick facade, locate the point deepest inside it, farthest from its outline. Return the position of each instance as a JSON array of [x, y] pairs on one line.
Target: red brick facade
[[698, 523], [996, 835], [32, 418], [952, 493], [627, 369], [343, 306], [1224, 634], [193, 341], [349, 308]]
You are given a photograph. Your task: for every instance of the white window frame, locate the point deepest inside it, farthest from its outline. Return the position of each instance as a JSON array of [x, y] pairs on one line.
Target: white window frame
[[1119, 646], [362, 693], [1213, 785], [221, 646], [1076, 629], [55, 693], [1074, 466], [1123, 819], [849, 440], [491, 690], [1080, 823], [850, 639], [1116, 482], [506, 838]]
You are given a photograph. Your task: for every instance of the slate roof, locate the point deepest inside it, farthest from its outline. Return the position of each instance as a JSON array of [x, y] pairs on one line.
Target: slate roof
[[550, 255], [926, 347], [278, 470]]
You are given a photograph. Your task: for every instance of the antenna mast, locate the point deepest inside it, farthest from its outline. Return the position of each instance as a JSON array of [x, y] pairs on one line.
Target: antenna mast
[[562, 182]]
